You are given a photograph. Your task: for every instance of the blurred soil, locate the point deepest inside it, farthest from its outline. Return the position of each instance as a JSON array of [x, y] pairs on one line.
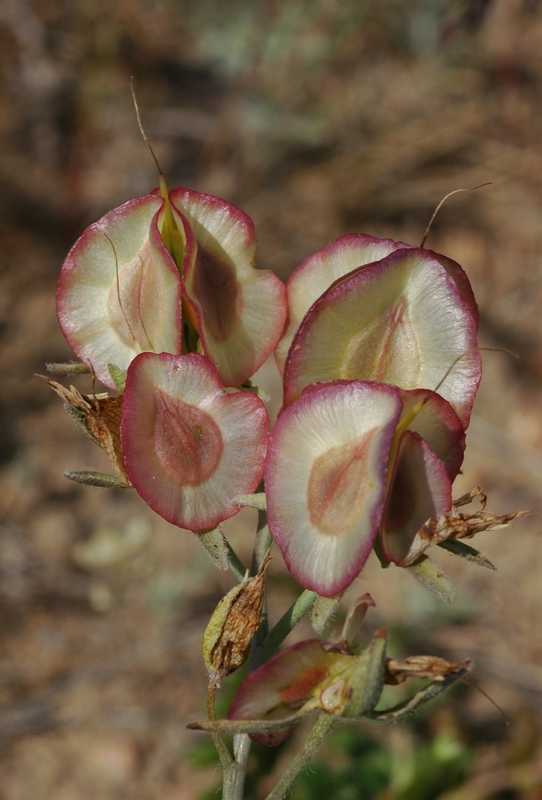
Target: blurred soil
[[317, 118]]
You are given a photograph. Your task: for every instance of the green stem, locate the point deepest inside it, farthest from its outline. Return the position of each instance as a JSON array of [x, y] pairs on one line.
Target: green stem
[[261, 547], [286, 624], [264, 645], [236, 565], [320, 730], [234, 773], [263, 542], [223, 753]]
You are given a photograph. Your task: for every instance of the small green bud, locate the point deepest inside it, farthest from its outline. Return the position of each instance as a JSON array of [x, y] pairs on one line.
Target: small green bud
[[118, 376]]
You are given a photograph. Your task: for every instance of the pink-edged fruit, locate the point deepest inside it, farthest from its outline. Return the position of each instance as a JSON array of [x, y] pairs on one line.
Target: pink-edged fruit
[[419, 490], [326, 479], [434, 420], [239, 310], [189, 447], [318, 272], [402, 321], [312, 676], [119, 292], [349, 459]]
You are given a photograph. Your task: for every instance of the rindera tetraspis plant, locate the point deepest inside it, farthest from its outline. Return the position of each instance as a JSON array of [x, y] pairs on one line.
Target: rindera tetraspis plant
[[376, 342]]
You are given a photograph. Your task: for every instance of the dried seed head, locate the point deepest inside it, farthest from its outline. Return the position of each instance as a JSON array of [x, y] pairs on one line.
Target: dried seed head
[[99, 417], [431, 667], [456, 526], [233, 624]]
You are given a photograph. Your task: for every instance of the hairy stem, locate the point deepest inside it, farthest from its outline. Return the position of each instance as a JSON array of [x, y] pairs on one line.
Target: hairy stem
[[223, 752], [235, 770], [235, 773], [320, 730], [264, 645]]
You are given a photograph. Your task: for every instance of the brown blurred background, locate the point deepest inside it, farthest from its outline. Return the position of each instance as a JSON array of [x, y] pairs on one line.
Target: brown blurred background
[[318, 118]]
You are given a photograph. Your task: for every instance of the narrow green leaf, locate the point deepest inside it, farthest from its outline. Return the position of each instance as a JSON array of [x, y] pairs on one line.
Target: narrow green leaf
[[73, 368], [466, 551], [92, 477], [287, 623]]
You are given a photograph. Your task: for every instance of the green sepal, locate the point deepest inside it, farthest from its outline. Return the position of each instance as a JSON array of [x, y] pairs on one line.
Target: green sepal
[[81, 421], [91, 477], [367, 681], [466, 551], [216, 547], [118, 376], [354, 684], [433, 578], [323, 611]]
